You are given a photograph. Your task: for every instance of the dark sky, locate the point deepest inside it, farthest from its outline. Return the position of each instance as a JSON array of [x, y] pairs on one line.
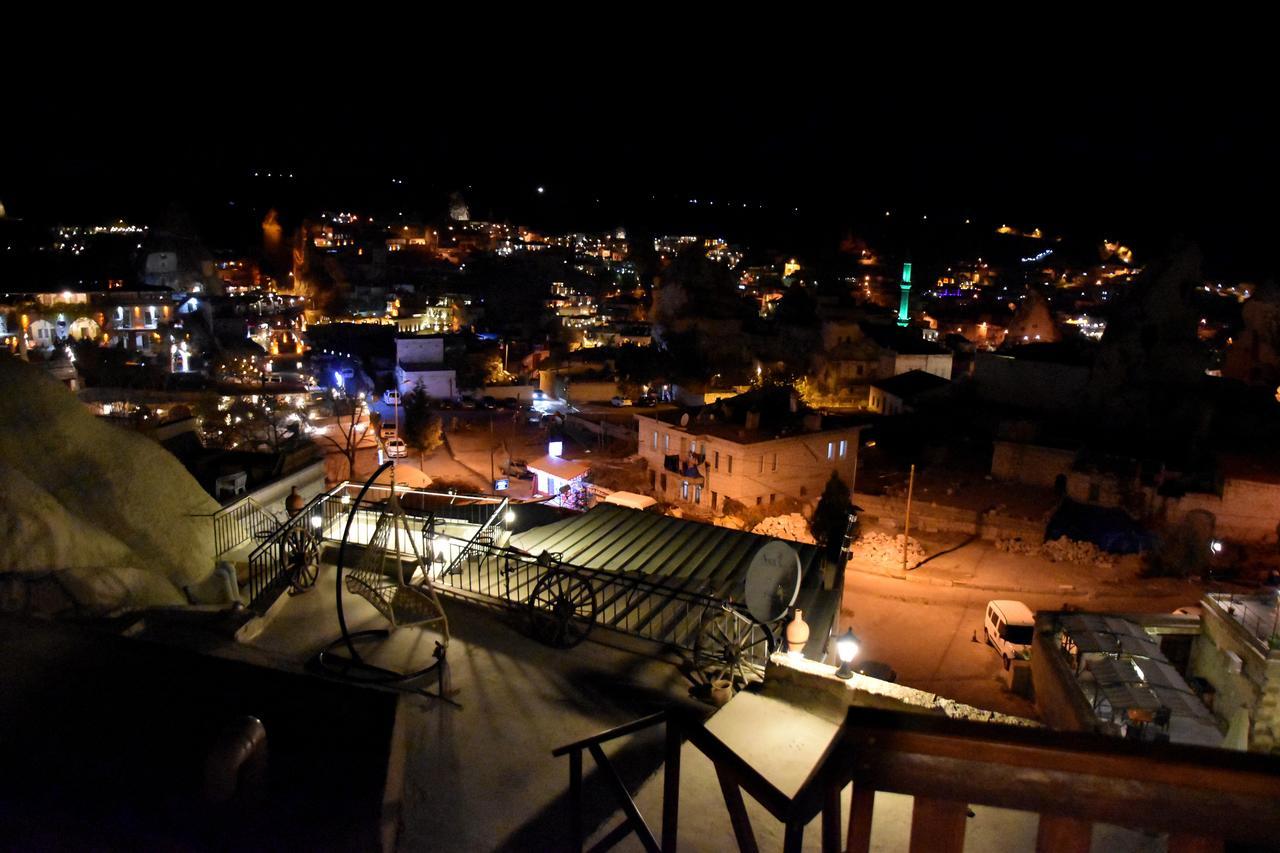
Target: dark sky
[[1143, 155]]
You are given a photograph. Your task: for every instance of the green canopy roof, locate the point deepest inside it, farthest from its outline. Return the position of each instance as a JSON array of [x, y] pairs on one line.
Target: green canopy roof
[[689, 554]]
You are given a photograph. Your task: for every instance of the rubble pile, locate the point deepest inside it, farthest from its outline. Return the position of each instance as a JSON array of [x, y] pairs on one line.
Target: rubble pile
[[1060, 550], [793, 527], [883, 549]]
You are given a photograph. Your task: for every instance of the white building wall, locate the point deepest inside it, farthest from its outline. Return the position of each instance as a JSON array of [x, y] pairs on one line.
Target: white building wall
[[438, 384], [420, 350], [754, 474]]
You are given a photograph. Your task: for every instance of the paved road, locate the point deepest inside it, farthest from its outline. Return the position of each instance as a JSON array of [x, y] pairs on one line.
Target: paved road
[[923, 625]]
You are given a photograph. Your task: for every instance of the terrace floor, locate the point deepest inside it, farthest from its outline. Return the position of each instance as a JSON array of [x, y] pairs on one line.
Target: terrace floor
[[481, 776]]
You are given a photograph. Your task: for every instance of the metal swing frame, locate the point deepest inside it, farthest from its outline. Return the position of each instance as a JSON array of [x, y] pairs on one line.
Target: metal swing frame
[[352, 666]]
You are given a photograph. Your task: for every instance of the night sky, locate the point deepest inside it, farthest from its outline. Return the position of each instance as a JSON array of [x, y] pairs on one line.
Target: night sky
[[1145, 158]]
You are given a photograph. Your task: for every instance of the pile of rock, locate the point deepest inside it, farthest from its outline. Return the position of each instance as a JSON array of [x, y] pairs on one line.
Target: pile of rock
[[793, 527], [1060, 550], [885, 550]]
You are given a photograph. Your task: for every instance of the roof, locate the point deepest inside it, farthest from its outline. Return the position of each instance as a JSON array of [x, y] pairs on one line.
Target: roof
[[701, 557], [1154, 685], [904, 341], [558, 466], [1095, 633], [726, 418], [911, 384], [1014, 611]]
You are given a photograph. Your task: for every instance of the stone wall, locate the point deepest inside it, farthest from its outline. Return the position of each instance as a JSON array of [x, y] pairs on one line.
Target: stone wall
[[1030, 463], [1247, 511], [1257, 684], [929, 517]]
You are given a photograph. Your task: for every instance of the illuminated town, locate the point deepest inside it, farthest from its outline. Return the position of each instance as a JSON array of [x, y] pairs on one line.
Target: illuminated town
[[349, 501]]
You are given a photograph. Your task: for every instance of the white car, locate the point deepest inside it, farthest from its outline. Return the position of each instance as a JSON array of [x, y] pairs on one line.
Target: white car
[[396, 448], [1009, 627], [621, 401], [391, 398]]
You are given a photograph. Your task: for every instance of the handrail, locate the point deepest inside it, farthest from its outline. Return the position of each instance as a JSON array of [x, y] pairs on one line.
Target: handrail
[[247, 516], [1200, 796], [611, 734], [293, 521], [497, 513]]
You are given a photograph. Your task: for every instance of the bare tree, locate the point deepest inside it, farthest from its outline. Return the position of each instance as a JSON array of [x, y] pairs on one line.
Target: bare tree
[[349, 431]]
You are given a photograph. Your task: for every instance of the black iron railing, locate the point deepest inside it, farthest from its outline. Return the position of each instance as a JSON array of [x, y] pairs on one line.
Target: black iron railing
[[269, 565], [241, 522], [633, 603]]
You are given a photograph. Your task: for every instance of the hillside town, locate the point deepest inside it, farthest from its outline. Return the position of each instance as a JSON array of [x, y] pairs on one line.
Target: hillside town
[[383, 514]]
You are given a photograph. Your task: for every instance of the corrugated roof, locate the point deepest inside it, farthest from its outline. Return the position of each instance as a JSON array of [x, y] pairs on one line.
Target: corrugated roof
[[689, 554]]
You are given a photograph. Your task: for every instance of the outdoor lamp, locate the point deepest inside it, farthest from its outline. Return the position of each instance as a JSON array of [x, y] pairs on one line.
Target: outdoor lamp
[[847, 649], [511, 516]]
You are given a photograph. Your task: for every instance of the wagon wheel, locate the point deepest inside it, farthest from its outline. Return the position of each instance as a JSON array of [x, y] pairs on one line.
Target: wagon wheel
[[732, 647], [562, 609], [301, 552]]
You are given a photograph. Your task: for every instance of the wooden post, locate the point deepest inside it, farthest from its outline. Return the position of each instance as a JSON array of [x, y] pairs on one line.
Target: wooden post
[[671, 787], [937, 826], [575, 800], [906, 524]]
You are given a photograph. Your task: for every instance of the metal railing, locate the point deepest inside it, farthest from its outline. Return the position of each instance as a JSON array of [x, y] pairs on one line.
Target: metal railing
[[630, 602], [269, 566], [1258, 615], [1069, 780], [242, 521], [668, 611]]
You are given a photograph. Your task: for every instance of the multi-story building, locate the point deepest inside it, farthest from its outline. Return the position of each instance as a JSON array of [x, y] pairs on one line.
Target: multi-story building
[[755, 449], [138, 318]]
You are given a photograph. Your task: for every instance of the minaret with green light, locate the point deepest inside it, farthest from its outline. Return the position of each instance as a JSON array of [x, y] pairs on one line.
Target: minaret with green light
[[906, 293]]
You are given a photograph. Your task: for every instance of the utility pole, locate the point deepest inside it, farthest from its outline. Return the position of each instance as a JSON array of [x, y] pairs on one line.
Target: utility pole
[[906, 525]]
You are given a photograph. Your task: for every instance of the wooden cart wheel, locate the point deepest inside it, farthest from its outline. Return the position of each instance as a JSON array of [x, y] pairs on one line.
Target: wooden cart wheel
[[731, 647], [562, 610], [302, 555]]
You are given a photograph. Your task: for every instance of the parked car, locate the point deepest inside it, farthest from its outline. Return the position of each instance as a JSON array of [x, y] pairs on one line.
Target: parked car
[[391, 397], [1009, 627], [487, 402], [519, 469], [510, 402], [387, 430], [467, 403], [620, 401], [648, 401], [396, 448]]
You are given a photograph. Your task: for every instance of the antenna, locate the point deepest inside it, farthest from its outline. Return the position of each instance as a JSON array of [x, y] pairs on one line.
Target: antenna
[[773, 581]]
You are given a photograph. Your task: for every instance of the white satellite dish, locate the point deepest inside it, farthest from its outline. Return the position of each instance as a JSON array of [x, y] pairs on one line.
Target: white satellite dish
[[773, 581], [684, 419]]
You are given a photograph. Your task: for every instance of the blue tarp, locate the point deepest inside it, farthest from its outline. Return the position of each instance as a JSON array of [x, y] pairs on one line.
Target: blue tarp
[[1109, 528]]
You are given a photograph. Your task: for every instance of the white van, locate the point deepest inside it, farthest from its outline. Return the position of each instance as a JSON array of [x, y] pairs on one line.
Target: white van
[[1009, 627]]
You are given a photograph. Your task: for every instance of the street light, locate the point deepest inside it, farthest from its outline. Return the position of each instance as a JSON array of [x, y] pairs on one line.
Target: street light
[[847, 650]]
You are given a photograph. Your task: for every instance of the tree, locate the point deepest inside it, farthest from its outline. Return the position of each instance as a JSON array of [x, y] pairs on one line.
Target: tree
[[423, 429], [831, 517], [348, 432]]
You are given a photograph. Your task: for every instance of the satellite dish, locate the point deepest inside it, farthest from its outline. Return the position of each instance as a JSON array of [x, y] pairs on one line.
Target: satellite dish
[[773, 581], [684, 419]]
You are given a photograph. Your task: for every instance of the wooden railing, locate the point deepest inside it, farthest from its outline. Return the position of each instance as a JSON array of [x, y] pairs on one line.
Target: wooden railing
[[1201, 797]]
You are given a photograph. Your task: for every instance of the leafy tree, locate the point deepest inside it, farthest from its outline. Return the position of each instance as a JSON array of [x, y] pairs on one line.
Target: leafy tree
[[831, 516], [423, 429]]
